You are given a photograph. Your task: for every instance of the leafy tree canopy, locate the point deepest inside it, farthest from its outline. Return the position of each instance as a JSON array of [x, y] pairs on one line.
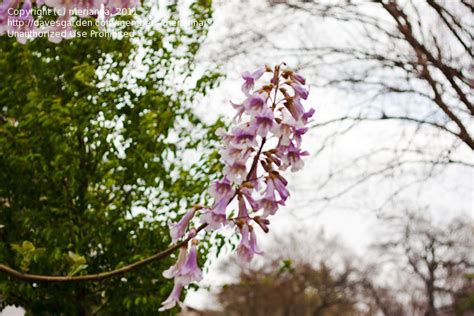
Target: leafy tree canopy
[[98, 149]]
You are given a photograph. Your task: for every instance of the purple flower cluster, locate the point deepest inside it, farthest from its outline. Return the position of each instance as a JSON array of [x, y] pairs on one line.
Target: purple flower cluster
[[17, 17], [266, 140]]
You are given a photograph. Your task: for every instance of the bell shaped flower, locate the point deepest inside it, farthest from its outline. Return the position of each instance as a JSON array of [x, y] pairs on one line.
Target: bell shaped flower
[[255, 102], [232, 154], [185, 271], [269, 203], [307, 116], [295, 107], [5, 16], [298, 131], [171, 301], [298, 77], [7, 4], [216, 217], [177, 230], [247, 194], [25, 23], [240, 111], [244, 136], [262, 222], [263, 121], [243, 212], [226, 137], [250, 79], [236, 172], [293, 157], [220, 189], [294, 76], [284, 129], [172, 271], [247, 247], [279, 184], [190, 271], [253, 180], [300, 91]]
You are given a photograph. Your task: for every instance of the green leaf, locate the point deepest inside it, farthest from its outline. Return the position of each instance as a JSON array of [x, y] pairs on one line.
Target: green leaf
[[76, 259], [77, 268]]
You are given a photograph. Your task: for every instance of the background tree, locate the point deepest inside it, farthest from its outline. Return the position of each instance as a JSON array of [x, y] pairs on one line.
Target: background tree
[[315, 278], [291, 290], [319, 277], [419, 267], [97, 151], [435, 260]]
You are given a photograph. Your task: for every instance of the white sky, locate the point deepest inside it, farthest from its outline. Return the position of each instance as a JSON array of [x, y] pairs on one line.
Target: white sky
[[447, 195]]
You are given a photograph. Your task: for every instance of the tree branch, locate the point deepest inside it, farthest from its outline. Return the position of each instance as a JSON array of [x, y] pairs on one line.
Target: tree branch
[[99, 276], [405, 28]]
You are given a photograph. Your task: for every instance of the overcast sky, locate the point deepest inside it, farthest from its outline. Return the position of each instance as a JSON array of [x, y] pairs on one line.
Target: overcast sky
[[446, 194]]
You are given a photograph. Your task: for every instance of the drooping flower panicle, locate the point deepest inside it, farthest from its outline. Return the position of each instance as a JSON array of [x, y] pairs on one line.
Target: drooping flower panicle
[[266, 140]]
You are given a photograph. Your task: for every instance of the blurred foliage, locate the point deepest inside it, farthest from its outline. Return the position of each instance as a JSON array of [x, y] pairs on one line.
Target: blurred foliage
[[99, 149], [464, 299]]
